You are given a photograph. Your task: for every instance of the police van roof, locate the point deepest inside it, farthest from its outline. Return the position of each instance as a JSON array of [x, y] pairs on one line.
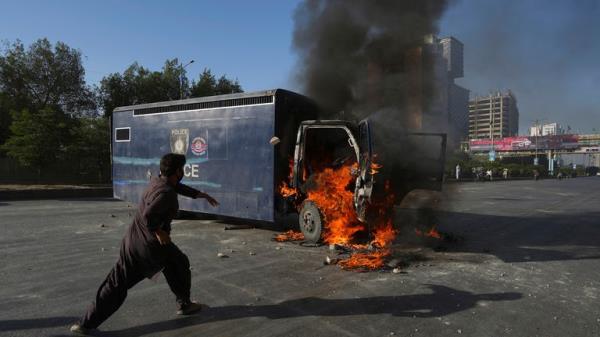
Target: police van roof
[[206, 99]]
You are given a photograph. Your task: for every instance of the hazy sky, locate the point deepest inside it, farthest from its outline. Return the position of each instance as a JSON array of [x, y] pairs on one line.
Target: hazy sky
[[546, 52]]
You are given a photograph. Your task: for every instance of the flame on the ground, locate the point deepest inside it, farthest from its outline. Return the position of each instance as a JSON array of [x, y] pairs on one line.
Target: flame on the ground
[[383, 235], [371, 260], [432, 233], [290, 235]]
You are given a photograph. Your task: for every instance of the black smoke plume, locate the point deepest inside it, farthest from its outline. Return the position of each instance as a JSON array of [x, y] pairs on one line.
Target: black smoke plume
[[362, 56], [376, 59]]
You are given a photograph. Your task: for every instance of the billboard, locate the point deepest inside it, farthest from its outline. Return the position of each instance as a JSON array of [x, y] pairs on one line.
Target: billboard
[[525, 143]]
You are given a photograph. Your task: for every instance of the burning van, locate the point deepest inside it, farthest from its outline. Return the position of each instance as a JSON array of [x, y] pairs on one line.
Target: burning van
[[265, 154]]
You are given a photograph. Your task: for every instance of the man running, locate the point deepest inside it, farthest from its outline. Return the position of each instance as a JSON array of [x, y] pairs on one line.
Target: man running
[[147, 249]]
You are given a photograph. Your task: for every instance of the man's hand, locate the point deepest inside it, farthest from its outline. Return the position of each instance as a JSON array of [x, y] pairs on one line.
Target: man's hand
[[163, 237], [211, 200]]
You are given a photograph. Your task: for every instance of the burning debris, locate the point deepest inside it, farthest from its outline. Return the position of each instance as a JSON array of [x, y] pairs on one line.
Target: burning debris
[[290, 235], [432, 233]]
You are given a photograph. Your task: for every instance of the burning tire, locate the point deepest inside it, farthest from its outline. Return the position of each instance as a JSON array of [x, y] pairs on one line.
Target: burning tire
[[310, 221]]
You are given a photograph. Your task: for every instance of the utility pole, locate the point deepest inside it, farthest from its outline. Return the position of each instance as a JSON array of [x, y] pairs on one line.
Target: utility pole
[[492, 154], [537, 131]]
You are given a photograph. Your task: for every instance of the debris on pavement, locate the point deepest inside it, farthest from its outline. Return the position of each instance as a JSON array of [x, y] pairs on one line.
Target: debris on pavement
[[236, 227], [290, 235]]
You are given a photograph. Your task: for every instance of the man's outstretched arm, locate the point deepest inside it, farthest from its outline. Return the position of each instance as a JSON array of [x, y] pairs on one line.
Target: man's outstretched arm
[[193, 193]]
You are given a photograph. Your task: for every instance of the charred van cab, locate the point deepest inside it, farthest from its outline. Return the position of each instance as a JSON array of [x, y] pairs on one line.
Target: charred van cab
[[336, 142]]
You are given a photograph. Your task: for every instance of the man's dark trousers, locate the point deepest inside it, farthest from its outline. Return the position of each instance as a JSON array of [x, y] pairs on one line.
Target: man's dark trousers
[[127, 272]]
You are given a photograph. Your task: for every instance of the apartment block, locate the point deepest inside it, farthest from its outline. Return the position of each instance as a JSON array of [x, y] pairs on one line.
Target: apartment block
[[493, 116]]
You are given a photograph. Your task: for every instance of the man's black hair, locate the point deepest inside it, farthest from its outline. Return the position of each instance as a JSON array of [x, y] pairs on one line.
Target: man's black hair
[[170, 163]]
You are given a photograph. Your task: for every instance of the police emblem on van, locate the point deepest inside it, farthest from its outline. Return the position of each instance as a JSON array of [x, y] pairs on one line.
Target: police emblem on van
[[180, 139], [199, 146]]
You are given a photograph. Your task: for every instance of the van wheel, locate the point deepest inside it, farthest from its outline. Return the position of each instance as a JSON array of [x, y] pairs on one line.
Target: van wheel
[[310, 222]]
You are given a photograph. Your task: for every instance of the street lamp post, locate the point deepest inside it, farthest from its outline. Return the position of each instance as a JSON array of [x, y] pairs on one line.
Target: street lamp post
[[181, 79], [492, 153]]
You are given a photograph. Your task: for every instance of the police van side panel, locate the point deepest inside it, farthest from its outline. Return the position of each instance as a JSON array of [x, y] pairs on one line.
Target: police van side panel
[[227, 150], [226, 143]]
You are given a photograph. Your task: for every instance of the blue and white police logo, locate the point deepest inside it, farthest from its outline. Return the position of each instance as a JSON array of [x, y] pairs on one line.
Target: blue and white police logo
[[180, 139]]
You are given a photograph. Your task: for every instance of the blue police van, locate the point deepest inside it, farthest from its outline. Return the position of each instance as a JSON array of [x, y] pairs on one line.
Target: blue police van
[[239, 148]]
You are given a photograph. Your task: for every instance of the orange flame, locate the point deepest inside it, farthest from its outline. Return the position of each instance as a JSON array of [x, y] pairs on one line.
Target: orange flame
[[375, 168], [289, 236], [369, 261], [335, 201], [432, 233], [284, 189], [384, 235]]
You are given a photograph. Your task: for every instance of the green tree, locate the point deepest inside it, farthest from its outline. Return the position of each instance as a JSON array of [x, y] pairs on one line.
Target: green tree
[[208, 85], [205, 86], [137, 85], [41, 79], [45, 76], [38, 139], [90, 146], [5, 117], [227, 86]]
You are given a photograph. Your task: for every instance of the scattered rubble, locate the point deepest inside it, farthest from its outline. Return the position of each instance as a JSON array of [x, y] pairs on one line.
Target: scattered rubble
[[329, 261]]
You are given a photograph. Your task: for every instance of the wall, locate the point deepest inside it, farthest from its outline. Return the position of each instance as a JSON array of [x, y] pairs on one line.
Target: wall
[[11, 172]]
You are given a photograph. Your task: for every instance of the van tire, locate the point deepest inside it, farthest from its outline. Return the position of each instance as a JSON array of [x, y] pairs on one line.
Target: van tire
[[310, 222]]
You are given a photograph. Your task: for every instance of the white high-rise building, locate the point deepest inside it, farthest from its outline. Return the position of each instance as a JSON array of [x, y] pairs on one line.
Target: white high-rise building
[[549, 129]]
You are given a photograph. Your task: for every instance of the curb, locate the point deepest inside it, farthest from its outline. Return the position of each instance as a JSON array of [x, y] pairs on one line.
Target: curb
[[97, 192]]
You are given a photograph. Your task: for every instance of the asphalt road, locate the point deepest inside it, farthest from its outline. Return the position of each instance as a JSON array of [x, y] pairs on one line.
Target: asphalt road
[[525, 262]]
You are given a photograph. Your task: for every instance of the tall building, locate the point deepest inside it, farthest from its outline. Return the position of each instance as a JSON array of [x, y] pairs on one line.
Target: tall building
[[458, 97], [433, 101], [495, 115], [552, 129], [452, 53], [451, 101]]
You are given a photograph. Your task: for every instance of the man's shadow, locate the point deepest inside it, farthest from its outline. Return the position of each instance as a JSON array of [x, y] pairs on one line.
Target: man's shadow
[[443, 301]]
